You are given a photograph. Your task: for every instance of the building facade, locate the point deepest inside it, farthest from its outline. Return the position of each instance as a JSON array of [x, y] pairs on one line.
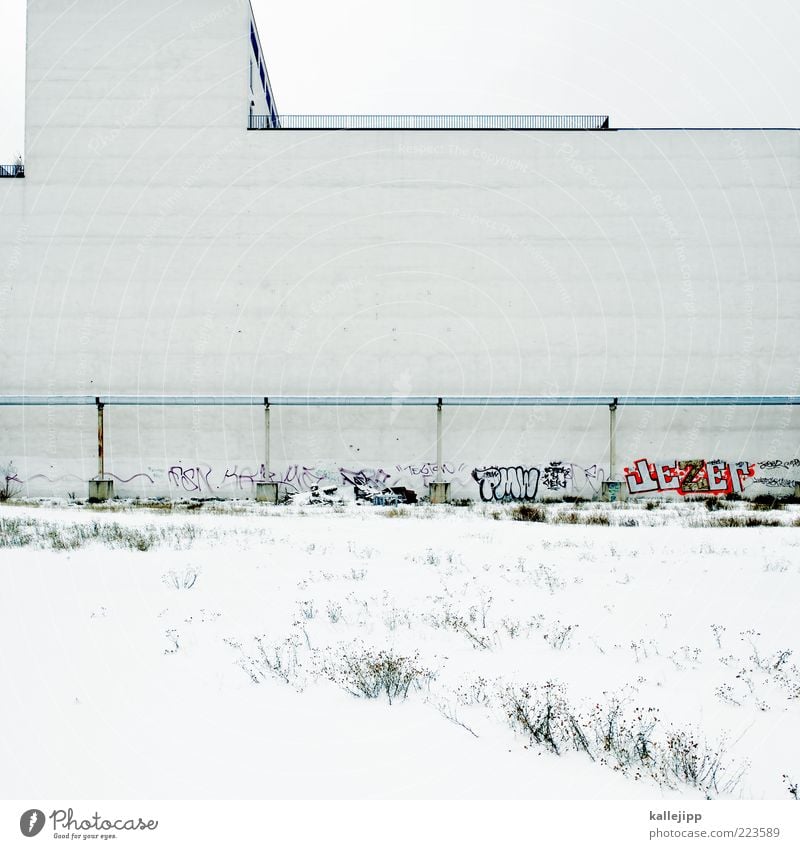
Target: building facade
[[158, 246]]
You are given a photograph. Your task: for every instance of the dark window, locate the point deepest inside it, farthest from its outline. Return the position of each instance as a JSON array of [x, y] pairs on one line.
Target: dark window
[[263, 77], [254, 41]]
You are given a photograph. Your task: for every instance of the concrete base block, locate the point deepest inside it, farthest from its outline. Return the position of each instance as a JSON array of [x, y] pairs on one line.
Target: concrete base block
[[614, 491], [101, 490], [439, 492], [267, 492]]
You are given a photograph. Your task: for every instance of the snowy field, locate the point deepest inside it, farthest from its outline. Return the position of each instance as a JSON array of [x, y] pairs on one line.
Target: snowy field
[[244, 651]]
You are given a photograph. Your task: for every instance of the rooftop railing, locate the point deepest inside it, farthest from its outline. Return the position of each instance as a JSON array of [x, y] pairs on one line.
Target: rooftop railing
[[15, 170], [431, 122]]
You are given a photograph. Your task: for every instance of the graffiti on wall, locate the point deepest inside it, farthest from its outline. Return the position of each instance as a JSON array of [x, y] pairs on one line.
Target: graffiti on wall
[[524, 483], [204, 478], [190, 479], [365, 478], [512, 482], [774, 479], [688, 477], [507, 483]]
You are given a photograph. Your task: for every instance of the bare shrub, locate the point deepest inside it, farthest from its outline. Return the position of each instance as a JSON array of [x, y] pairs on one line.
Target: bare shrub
[[558, 636], [546, 577], [767, 502], [477, 691], [25, 532], [307, 608], [181, 580], [478, 635], [334, 611], [174, 640], [278, 660], [691, 761], [744, 521], [568, 517], [542, 713], [624, 740], [623, 743], [370, 674], [528, 513]]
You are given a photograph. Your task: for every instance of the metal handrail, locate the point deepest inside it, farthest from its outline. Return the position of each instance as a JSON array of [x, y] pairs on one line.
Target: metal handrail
[[401, 401], [431, 122], [15, 170]]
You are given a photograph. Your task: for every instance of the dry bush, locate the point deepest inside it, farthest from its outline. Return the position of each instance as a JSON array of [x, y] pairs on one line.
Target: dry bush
[[597, 518], [278, 660], [691, 761], [370, 674], [743, 521], [624, 740], [568, 517], [528, 513], [543, 714], [24, 532]]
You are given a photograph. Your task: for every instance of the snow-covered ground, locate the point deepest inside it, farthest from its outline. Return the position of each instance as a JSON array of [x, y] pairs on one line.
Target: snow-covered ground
[[227, 651]]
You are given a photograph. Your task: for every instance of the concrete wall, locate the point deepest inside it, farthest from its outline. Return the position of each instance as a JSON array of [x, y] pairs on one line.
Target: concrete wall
[[157, 246]]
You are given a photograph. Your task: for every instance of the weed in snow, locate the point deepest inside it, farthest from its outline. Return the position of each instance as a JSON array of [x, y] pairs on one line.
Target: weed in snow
[[173, 638], [33, 533], [369, 674], [307, 608], [334, 611], [626, 741], [279, 660], [181, 580], [558, 636]]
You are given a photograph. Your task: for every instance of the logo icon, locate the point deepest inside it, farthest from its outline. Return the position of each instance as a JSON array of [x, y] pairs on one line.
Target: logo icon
[[31, 822]]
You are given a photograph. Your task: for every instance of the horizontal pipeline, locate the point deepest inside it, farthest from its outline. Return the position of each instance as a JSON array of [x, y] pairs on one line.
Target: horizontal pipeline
[[401, 401]]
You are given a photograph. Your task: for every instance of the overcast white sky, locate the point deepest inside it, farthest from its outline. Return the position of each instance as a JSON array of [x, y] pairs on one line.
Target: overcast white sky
[[643, 62]]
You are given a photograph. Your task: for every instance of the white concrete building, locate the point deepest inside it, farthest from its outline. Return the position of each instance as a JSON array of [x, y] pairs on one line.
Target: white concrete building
[[157, 246]]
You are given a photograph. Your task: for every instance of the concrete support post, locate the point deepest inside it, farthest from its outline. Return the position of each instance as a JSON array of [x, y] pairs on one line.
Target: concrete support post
[[612, 489], [100, 455], [612, 440], [439, 441], [266, 490], [439, 489], [266, 439], [100, 489]]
